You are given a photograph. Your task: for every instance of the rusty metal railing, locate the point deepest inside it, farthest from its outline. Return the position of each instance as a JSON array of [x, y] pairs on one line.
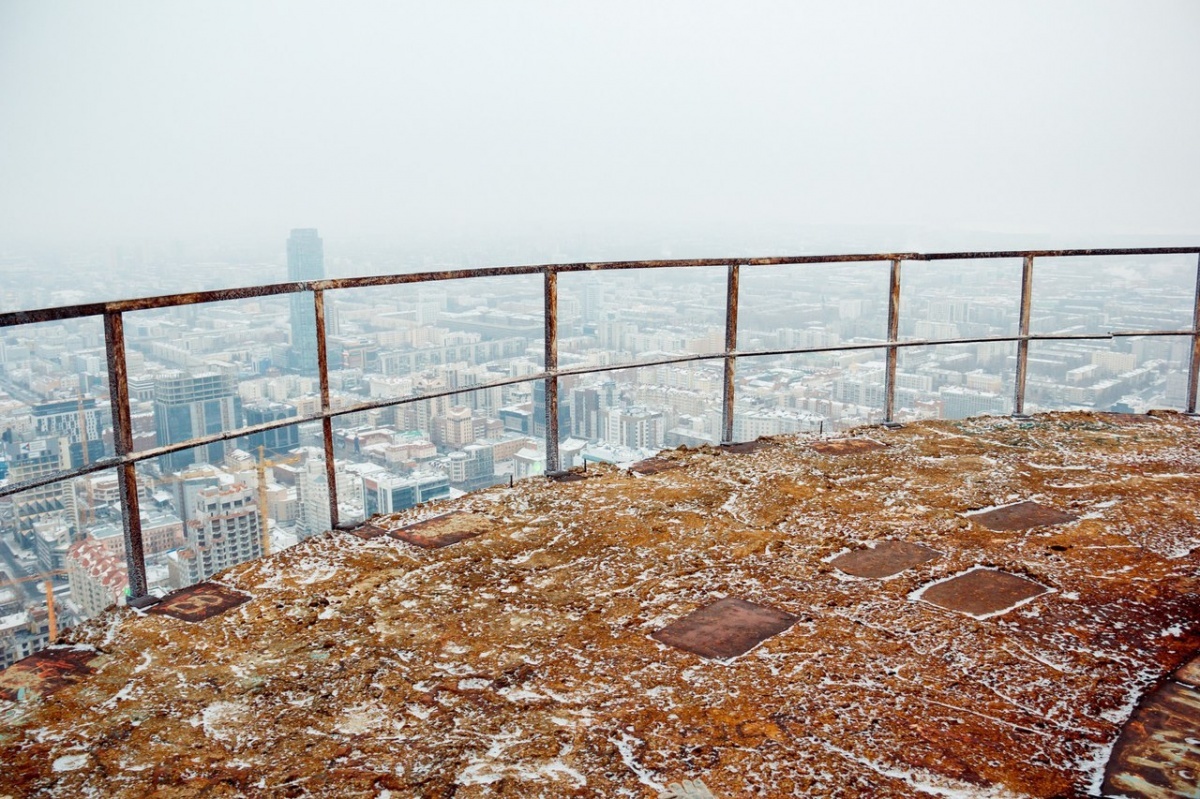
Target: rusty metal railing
[[125, 458]]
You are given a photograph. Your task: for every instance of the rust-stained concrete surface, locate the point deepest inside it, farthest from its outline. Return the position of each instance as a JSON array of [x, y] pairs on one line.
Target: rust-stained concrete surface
[[520, 662]]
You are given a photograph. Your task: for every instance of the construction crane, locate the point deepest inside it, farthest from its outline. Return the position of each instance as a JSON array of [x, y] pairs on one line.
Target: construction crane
[[263, 463], [48, 577]]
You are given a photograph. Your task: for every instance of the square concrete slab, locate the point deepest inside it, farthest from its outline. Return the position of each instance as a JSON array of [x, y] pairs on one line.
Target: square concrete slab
[[199, 602], [45, 672], [368, 531], [885, 559], [981, 593], [1021, 516], [571, 477], [725, 629], [654, 466], [847, 446], [442, 531]]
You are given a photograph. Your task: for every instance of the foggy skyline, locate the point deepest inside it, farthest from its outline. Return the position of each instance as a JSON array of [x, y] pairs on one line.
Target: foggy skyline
[[393, 122]]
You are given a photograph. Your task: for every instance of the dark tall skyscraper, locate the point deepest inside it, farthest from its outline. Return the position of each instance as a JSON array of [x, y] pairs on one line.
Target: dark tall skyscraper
[[192, 405], [306, 261]]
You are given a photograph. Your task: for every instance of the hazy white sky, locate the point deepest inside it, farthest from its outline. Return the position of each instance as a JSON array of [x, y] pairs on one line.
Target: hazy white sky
[[210, 119]]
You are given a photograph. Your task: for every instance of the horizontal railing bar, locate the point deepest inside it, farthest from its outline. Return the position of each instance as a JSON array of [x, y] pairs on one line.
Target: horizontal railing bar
[[968, 256], [60, 313], [1135, 333]]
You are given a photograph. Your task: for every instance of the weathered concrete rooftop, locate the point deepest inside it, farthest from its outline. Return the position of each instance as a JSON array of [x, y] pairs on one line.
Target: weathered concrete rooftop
[[545, 653]]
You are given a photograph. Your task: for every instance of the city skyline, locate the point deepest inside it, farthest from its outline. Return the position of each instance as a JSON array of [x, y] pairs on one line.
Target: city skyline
[[214, 368]]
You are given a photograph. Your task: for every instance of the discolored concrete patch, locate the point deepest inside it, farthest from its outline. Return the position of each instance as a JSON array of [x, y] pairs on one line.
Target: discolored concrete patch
[[45, 672], [846, 446], [654, 466], [981, 592], [1021, 516], [885, 559], [573, 476], [745, 447], [1157, 755], [199, 602], [725, 629], [442, 531], [1126, 418]]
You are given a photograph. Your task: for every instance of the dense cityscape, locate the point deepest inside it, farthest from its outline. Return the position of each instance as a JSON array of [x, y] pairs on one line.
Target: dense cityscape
[[199, 370]]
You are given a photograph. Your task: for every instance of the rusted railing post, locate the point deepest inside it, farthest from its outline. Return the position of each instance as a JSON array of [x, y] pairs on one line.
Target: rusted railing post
[[1023, 332], [1194, 368], [326, 419], [893, 335], [131, 514], [731, 324], [551, 366]]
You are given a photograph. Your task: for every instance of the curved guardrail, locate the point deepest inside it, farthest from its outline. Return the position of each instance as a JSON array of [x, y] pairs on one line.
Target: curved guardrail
[[126, 458]]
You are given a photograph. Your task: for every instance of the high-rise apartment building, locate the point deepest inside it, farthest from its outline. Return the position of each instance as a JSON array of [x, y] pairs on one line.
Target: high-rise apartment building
[[192, 405], [638, 428], [306, 261], [77, 421], [223, 530], [35, 459], [98, 578], [312, 493]]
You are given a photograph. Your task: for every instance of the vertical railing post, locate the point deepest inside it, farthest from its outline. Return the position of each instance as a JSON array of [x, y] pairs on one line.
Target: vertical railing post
[[731, 324], [326, 419], [550, 295], [893, 335], [1023, 332], [131, 514], [1194, 368]]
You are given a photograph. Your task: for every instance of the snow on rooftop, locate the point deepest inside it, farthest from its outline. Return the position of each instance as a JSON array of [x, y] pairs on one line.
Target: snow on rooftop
[[520, 663]]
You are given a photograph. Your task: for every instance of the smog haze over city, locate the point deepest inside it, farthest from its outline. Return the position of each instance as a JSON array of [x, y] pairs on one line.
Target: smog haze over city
[[151, 148], [425, 134]]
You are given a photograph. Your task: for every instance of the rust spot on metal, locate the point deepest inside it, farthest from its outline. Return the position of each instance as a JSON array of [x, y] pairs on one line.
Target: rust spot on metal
[[199, 602], [654, 466], [846, 446], [885, 559], [442, 531], [982, 592], [45, 672], [746, 447], [725, 629], [1158, 752], [1022, 516]]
